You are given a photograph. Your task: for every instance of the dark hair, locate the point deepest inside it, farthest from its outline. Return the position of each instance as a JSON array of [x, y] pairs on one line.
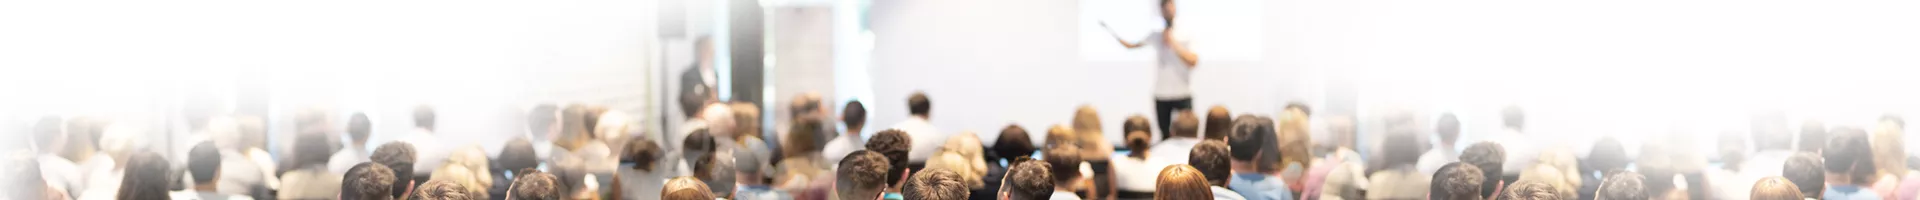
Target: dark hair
[[1448, 128], [1512, 117], [894, 144], [518, 154], [1250, 136], [1623, 185], [204, 162], [1185, 124], [1487, 156], [1657, 165], [1400, 148], [311, 153], [1137, 122], [1219, 123], [1531, 190], [696, 145], [1848, 152], [1457, 181], [1064, 158], [1028, 180], [1138, 143], [861, 170], [423, 117], [535, 185], [935, 184], [540, 119], [1299, 106], [359, 127], [642, 152], [1607, 155], [1813, 136], [442, 190], [146, 177], [398, 156], [918, 104], [1210, 157], [367, 181], [1807, 169], [1013, 142], [854, 114]]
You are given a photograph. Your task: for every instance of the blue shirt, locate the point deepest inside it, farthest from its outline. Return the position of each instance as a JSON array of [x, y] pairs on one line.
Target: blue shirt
[[1256, 186], [1848, 192]]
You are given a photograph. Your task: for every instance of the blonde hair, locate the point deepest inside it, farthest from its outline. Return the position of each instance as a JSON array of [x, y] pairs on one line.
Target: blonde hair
[[1181, 182], [1086, 125], [1552, 176], [1889, 153], [474, 158], [746, 120], [612, 127], [1776, 188], [1061, 135], [686, 188], [962, 155], [1563, 160]]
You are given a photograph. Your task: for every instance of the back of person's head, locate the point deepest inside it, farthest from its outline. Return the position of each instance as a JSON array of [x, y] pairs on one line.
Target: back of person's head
[[935, 184], [854, 114], [686, 188], [398, 156], [719, 119], [359, 127], [1889, 150], [1086, 120], [1250, 136], [25, 181], [536, 185], [1732, 148], [1813, 136], [145, 177], [862, 175], [423, 117], [1027, 180], [1086, 127], [1448, 128], [1607, 155], [517, 154], [1220, 123], [1776, 188], [1512, 117], [1623, 185], [918, 104], [1555, 180], [746, 119], [1181, 182], [1532, 190], [573, 127], [203, 161], [307, 154], [570, 174], [1137, 122], [802, 137], [1769, 131], [367, 181], [1066, 160], [1061, 135], [442, 190], [1400, 149], [1013, 142], [1806, 169], [1299, 108], [1210, 157], [1657, 163], [463, 176], [803, 104], [1456, 181], [1849, 153], [48, 138], [894, 144], [1138, 143], [642, 152], [1185, 125], [962, 155], [752, 158], [541, 117], [1489, 157]]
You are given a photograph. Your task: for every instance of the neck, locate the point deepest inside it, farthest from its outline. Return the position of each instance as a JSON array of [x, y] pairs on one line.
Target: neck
[[1839, 179], [1243, 167], [208, 187], [921, 116], [853, 132]]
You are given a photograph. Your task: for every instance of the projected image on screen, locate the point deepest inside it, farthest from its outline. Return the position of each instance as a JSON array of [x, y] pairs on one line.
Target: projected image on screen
[[1222, 30]]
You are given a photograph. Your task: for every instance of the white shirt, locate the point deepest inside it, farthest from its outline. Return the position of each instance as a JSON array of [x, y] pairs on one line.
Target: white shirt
[[1173, 72], [926, 139], [1063, 195], [343, 160], [238, 176], [429, 153], [1431, 161], [1519, 148], [1220, 193], [1169, 152], [840, 147], [1130, 174], [61, 174]]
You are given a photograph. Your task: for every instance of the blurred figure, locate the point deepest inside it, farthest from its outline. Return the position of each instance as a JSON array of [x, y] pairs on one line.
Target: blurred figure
[[1448, 128], [1210, 158], [1340, 160], [457, 175], [1176, 61], [536, 185], [1889, 156], [1181, 182], [1095, 150], [360, 128], [1623, 185], [1776, 188], [699, 84], [1173, 150], [961, 156], [1772, 144], [444, 190], [805, 163], [53, 144], [366, 181], [1012, 144], [1399, 179], [1529, 190], [686, 188], [1850, 167], [145, 178], [473, 160], [309, 178], [1250, 138], [203, 162], [1657, 161], [1606, 156], [1726, 181], [935, 184], [518, 154], [861, 175], [400, 157], [746, 119], [1519, 146], [927, 138], [1456, 181], [854, 115], [894, 144], [1813, 136], [642, 180], [104, 176], [542, 128], [425, 142], [1219, 123], [28, 183], [1491, 159], [751, 166], [1295, 152], [1065, 161], [1552, 179], [244, 172], [1027, 180], [1810, 170]]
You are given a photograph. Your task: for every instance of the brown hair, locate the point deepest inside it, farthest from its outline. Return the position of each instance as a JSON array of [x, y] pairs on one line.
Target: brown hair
[[746, 120], [1456, 181], [145, 177], [1806, 169], [1028, 180], [643, 153], [1013, 142], [895, 144], [919, 104], [1776, 188], [935, 184], [854, 114], [1210, 157], [423, 117], [1889, 152], [1086, 124], [1219, 123], [1066, 163], [367, 181], [803, 137], [861, 173], [1179, 182], [1138, 142], [439, 189], [1058, 135], [1532, 190], [685, 188], [1185, 124]]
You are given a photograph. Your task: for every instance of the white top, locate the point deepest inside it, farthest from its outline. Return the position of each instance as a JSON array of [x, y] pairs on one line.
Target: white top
[[61, 174], [429, 153], [238, 176], [1431, 161], [1063, 195], [1171, 80], [926, 139], [1130, 174], [196, 195], [1519, 148], [102, 184], [343, 160], [1169, 152], [839, 147], [1220, 193]]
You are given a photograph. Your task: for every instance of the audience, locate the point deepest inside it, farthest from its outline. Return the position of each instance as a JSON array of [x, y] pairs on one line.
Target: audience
[[399, 157], [145, 178], [1013, 143], [1182, 182], [1519, 146], [518, 154], [854, 116], [1813, 136], [367, 181], [536, 185], [1339, 166], [309, 178], [643, 179], [424, 144], [444, 190], [1889, 156], [249, 169], [1490, 158], [1211, 157], [203, 162], [1623, 185], [750, 164], [1027, 180], [360, 129], [686, 188], [1219, 123], [56, 147], [1456, 181], [918, 126], [1658, 164], [1807, 169], [804, 162], [935, 184], [961, 156], [1064, 159], [27, 182], [1173, 150], [1094, 149], [1532, 190], [1607, 155], [894, 144], [1448, 128], [1776, 188], [1399, 178], [1850, 167], [862, 175], [1249, 139]]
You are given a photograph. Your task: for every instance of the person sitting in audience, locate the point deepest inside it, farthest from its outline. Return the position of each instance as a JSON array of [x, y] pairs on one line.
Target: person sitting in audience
[[1489, 157], [27, 182], [1130, 170], [1557, 167], [1623, 185], [961, 156], [854, 116], [804, 162], [919, 126], [1520, 147], [1456, 181], [1776, 188], [242, 174], [1182, 182], [569, 172], [1064, 159], [1173, 150], [439, 189], [1400, 178], [54, 144], [1211, 157], [1296, 145], [360, 129], [1532, 190], [895, 145], [1339, 153], [1773, 143], [642, 180], [1889, 156], [1552, 177], [310, 178], [203, 162], [1095, 150], [473, 160], [935, 184], [367, 181], [458, 176], [1809, 172], [720, 126], [1849, 165], [1013, 143], [425, 142], [750, 160], [1219, 123], [698, 145], [518, 154], [686, 188], [1606, 156], [1250, 139], [1659, 165], [399, 157], [145, 178], [536, 185], [861, 175], [1448, 128], [1027, 180]]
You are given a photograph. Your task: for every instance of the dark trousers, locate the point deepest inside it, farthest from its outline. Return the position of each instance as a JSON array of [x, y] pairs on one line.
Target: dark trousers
[[1164, 110]]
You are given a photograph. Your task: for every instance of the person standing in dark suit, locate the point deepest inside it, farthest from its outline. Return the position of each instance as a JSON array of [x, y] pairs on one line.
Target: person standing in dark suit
[[699, 82]]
